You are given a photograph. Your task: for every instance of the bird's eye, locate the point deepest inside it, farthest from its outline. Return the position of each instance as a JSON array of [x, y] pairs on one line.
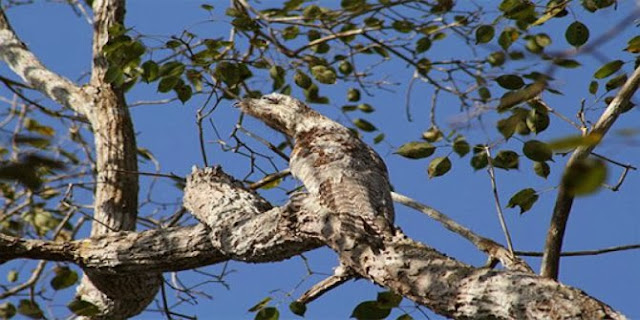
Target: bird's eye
[[272, 100]]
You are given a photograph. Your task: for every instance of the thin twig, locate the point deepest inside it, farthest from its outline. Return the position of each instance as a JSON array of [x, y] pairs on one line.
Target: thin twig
[[496, 197], [583, 252]]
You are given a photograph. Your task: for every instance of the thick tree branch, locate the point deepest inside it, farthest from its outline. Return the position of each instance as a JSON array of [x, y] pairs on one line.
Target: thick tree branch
[[116, 193], [409, 268], [553, 246], [243, 226], [27, 66]]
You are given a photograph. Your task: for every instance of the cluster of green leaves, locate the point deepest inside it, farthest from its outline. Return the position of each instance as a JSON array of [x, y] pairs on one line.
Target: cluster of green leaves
[[123, 53]]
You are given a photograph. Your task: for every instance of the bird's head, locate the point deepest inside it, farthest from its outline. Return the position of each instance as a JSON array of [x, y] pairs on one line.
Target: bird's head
[[279, 111]]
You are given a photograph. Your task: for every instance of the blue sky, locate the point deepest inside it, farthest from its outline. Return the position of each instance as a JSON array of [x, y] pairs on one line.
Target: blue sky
[[62, 41]]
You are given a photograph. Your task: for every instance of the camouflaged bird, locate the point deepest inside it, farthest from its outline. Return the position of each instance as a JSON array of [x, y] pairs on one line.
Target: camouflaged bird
[[341, 171]]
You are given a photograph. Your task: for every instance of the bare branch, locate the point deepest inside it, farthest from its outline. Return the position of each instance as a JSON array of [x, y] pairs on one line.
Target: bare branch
[[489, 246], [583, 252], [27, 66], [555, 235]]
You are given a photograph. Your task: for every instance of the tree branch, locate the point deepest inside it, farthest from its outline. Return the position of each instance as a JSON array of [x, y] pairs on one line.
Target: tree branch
[[553, 246], [27, 66], [242, 226], [116, 192], [409, 268], [492, 248]]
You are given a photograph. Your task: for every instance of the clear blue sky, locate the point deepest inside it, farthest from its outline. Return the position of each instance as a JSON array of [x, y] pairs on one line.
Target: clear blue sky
[[62, 41]]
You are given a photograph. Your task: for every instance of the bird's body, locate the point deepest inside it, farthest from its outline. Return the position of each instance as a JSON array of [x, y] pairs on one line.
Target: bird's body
[[342, 172]]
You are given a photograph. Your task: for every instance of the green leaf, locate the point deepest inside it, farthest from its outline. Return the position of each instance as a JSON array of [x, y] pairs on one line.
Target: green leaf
[[507, 127], [302, 80], [370, 310], [277, 73], [150, 71], [537, 150], [616, 82], [461, 146], [7, 310], [608, 69], [167, 84], [30, 309], [537, 121], [484, 94], [484, 33], [378, 138], [268, 313], [184, 93], [416, 150], [574, 141], [513, 98], [479, 159], [567, 63], [345, 67], [298, 308], [83, 308], [324, 74], [349, 108], [353, 5], [585, 176], [524, 199], [364, 125], [433, 134], [423, 45], [542, 39], [593, 87], [577, 34], [311, 11], [507, 37], [424, 65], [542, 169], [439, 166], [172, 69], [496, 59], [114, 75], [506, 159], [510, 81], [353, 94], [633, 45], [366, 108], [12, 276], [64, 278], [260, 305], [405, 317], [403, 26], [388, 299], [290, 32]]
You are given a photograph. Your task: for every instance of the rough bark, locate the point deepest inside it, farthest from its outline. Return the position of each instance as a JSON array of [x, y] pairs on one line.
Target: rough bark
[[240, 225], [116, 196], [412, 269]]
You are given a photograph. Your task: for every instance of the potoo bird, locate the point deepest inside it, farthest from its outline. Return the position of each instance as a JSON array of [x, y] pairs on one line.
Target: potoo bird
[[343, 173]]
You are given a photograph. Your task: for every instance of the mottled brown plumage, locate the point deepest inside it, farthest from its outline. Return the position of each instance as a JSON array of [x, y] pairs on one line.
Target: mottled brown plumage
[[342, 172]]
